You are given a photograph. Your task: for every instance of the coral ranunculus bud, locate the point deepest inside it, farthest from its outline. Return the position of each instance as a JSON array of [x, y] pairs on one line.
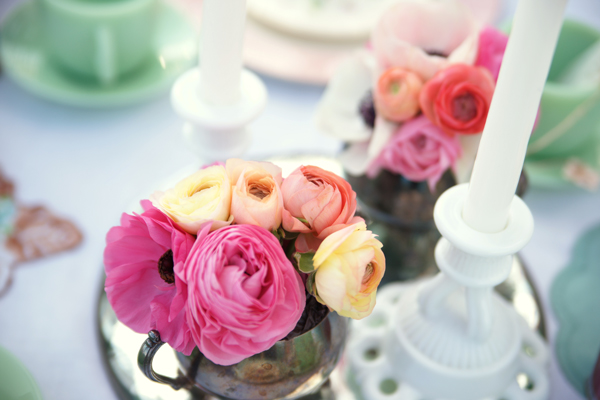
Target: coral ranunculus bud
[[397, 94]]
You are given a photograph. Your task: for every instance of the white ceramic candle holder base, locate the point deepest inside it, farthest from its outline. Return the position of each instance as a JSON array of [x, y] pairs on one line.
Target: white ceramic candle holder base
[[216, 133], [451, 337]]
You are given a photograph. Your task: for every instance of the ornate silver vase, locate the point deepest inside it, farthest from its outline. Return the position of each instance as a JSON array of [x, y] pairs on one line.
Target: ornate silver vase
[[291, 369]]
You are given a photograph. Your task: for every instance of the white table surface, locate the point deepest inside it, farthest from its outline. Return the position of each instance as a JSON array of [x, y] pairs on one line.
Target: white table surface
[[89, 165]]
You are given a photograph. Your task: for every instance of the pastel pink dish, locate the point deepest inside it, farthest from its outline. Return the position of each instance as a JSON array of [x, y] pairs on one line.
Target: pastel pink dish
[[143, 257], [244, 295]]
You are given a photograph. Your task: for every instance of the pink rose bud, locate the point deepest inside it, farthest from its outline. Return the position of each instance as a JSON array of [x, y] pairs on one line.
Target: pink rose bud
[[143, 261], [243, 293], [316, 203], [397, 94], [457, 98], [256, 198], [419, 151]]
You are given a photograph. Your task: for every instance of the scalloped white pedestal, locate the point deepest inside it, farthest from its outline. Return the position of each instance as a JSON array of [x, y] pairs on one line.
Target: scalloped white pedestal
[[451, 337], [217, 133]]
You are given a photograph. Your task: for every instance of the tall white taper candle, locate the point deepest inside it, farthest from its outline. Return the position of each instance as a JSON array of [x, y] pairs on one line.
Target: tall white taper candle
[[512, 114], [221, 45]]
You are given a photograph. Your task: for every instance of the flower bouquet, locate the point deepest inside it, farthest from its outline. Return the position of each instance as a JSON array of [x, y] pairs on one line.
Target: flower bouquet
[[410, 109], [234, 259]]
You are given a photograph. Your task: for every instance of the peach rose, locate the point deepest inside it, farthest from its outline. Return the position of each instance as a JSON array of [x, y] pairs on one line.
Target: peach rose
[[256, 197], [397, 94], [316, 203], [349, 265], [457, 99]]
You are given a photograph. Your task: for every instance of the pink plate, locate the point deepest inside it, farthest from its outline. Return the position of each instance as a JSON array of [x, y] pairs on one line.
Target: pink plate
[[308, 60], [292, 58]]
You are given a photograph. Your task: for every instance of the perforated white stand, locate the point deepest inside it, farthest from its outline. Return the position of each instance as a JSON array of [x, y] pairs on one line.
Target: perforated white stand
[[451, 337], [216, 133]]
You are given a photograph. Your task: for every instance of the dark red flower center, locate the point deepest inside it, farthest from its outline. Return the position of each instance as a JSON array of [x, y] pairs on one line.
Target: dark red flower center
[[369, 271], [165, 267], [420, 142], [464, 107]]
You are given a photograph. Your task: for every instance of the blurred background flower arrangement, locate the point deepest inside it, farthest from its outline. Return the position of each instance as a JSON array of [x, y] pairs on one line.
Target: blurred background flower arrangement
[[411, 108]]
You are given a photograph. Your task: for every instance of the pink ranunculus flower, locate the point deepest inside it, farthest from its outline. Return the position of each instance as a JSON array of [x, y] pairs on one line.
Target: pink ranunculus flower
[[396, 94], [244, 295], [316, 203], [419, 151], [492, 44], [256, 196], [457, 99], [143, 260], [424, 36]]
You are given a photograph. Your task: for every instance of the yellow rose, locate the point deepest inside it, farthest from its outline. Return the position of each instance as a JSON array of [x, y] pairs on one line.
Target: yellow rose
[[349, 265], [201, 197]]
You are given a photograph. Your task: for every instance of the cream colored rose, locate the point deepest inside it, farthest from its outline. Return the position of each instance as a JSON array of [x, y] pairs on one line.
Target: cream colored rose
[[349, 266], [201, 197], [256, 195]]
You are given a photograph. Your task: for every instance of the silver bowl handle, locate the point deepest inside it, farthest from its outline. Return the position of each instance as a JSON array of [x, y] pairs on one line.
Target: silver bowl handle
[[145, 357]]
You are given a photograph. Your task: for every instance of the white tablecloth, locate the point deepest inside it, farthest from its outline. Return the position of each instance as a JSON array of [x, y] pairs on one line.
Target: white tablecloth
[[89, 165]]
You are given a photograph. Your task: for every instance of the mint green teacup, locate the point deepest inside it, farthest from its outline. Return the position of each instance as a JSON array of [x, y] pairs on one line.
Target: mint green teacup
[[98, 40], [570, 113]]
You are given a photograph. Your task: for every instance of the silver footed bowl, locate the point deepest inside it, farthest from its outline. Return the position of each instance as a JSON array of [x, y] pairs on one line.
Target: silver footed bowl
[[291, 369]]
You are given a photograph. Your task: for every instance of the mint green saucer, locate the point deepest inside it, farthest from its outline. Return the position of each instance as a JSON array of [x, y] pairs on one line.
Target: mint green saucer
[[575, 298], [548, 173], [581, 138], [23, 59], [16, 382]]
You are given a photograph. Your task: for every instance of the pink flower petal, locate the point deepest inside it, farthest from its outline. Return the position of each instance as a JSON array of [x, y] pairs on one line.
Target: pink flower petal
[[141, 298], [243, 293]]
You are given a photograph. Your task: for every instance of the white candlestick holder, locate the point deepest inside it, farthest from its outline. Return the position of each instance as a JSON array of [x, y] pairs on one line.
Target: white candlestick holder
[[217, 132], [452, 337]]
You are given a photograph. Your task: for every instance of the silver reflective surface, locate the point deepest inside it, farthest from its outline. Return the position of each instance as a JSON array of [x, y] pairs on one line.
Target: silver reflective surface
[[119, 346]]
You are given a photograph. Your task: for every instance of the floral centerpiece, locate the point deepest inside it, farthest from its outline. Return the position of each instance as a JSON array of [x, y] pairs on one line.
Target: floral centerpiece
[[234, 258], [411, 108], [410, 102]]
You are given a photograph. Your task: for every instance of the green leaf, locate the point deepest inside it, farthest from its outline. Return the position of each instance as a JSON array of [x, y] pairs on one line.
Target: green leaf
[[310, 284], [276, 234], [305, 262], [287, 235], [290, 251]]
